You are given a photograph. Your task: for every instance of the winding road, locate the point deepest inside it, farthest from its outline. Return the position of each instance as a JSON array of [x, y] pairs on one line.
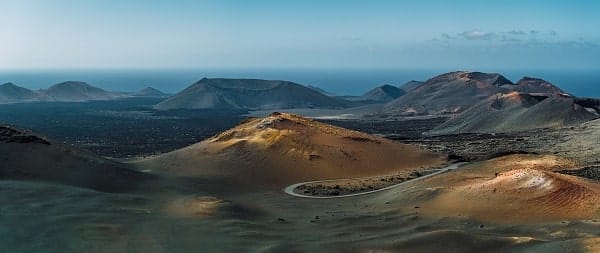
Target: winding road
[[290, 189]]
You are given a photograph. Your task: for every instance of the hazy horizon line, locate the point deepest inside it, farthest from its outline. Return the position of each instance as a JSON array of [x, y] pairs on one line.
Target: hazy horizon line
[[483, 69]]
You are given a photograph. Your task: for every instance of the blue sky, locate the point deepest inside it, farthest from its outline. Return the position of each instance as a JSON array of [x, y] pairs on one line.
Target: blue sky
[[109, 34]]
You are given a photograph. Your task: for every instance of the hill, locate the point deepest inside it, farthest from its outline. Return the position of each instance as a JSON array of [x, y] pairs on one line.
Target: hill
[[13, 93], [72, 91], [508, 189], [454, 92], [382, 93], [410, 85], [249, 94], [282, 149], [534, 85], [519, 111], [447, 93], [149, 92], [320, 90], [27, 156]]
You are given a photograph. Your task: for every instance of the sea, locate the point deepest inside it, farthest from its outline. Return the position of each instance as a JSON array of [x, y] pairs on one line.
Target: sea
[[584, 83]]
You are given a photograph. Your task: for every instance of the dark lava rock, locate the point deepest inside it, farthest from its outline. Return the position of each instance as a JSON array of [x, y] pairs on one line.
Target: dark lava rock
[[589, 172], [11, 135]]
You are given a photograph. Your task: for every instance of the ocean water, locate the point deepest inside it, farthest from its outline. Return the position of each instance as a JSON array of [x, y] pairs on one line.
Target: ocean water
[[339, 81]]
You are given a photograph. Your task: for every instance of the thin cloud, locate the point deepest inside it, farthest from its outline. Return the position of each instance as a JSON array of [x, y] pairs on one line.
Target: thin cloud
[[524, 38], [477, 35]]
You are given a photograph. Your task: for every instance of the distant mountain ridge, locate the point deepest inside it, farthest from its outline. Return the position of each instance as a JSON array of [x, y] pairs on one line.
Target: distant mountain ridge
[[455, 92], [449, 93], [248, 94], [70, 91]]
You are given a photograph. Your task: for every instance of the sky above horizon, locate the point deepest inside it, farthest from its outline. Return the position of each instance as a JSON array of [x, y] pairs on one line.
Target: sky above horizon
[[110, 34]]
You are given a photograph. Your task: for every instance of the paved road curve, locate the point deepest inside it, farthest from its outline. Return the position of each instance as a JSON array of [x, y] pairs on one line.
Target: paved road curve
[[290, 189]]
